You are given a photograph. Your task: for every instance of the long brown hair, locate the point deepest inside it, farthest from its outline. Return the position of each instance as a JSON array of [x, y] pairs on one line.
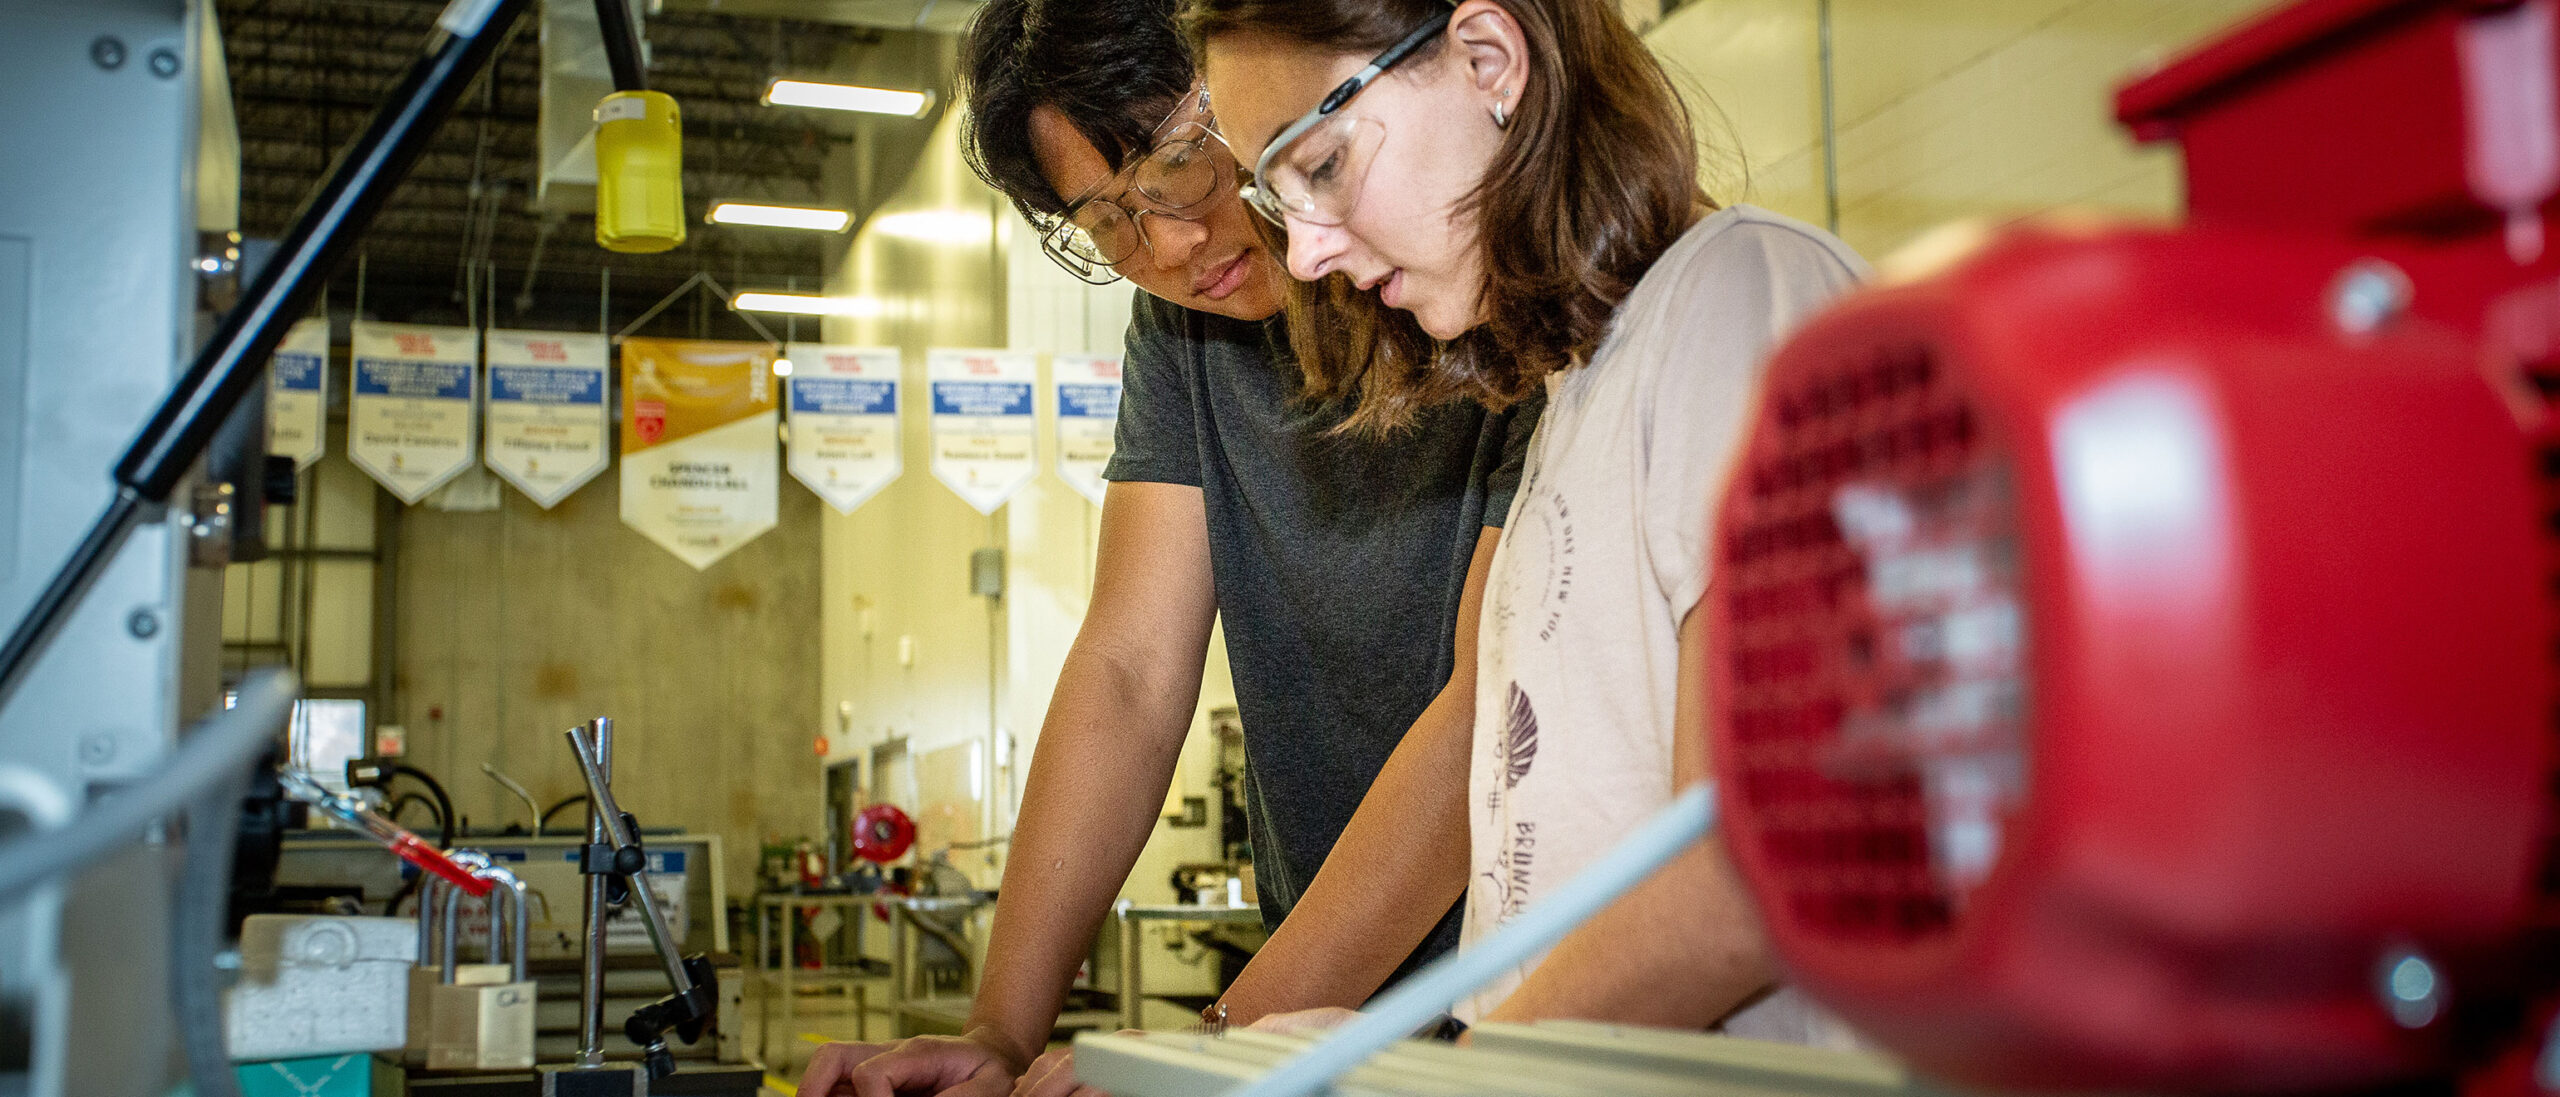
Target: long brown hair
[[1597, 175]]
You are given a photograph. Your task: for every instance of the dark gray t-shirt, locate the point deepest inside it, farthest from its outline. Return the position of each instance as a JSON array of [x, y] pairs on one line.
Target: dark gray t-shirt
[[1338, 565]]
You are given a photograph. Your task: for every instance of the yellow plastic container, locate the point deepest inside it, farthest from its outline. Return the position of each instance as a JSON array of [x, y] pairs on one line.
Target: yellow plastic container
[[639, 172]]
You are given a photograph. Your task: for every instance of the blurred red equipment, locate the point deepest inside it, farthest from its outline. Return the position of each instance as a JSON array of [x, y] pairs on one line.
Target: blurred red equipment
[[2135, 652]]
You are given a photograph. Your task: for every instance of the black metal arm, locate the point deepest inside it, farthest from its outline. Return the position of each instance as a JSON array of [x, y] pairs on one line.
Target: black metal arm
[[621, 45]]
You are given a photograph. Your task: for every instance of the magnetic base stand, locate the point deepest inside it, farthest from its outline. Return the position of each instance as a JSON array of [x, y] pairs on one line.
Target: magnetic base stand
[[614, 1080], [616, 868]]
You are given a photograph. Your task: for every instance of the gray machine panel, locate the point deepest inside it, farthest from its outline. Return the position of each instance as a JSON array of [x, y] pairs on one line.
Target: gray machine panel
[[96, 227], [96, 189], [15, 252]]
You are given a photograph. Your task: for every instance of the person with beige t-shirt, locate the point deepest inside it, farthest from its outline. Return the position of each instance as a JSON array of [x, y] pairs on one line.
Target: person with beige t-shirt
[[1499, 199], [1606, 553]]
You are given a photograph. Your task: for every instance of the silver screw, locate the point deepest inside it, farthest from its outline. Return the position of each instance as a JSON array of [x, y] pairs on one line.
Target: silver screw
[[2411, 989], [164, 63], [97, 748], [107, 52], [143, 624], [2367, 295]]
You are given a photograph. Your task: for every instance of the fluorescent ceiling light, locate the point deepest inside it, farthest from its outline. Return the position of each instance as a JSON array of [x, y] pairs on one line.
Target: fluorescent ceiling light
[[780, 217], [802, 304], [805, 93], [935, 226]]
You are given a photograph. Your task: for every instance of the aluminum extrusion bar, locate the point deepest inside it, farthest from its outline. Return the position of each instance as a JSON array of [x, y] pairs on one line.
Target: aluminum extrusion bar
[[1548, 1059]]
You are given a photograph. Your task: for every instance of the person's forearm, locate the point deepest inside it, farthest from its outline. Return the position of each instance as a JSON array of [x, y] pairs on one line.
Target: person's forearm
[[1106, 754], [1391, 876], [1683, 949]]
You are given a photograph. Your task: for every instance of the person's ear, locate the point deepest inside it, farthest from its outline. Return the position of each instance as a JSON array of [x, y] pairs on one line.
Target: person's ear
[[1496, 53]]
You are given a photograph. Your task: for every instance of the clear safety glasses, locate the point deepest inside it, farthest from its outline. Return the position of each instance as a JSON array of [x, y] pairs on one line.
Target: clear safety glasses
[[1187, 167], [1313, 170]]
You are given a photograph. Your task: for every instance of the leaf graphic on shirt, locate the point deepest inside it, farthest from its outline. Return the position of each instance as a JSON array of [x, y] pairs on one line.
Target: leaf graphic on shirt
[[1519, 739]]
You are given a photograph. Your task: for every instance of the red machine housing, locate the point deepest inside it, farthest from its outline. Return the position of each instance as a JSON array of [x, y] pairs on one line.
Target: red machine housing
[[2136, 654]]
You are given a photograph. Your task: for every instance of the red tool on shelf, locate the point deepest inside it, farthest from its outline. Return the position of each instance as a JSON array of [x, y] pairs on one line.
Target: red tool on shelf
[[356, 815], [2134, 651]]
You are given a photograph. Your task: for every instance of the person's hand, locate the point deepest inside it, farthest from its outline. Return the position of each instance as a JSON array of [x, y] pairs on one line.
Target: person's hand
[[946, 1066], [1053, 1074], [1305, 1022], [832, 1063]]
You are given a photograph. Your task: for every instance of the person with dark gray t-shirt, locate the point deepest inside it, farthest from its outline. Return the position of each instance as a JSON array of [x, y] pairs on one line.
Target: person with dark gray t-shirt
[[1347, 572], [1339, 563]]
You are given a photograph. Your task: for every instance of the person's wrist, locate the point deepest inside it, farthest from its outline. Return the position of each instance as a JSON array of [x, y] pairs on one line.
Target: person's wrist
[[1006, 1049]]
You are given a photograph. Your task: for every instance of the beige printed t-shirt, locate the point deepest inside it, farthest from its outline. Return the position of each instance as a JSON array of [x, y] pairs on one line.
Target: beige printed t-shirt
[[1605, 553]]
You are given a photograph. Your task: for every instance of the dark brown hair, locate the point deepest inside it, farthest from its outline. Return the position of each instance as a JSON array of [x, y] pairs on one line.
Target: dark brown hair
[[1114, 68], [1596, 177]]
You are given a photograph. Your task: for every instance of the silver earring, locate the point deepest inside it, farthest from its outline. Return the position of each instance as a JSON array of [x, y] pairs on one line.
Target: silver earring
[[1500, 120]]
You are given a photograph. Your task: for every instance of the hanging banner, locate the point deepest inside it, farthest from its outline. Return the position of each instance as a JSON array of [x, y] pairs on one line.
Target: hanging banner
[[700, 474], [546, 411], [844, 421], [298, 394], [409, 420], [1088, 395], [982, 422]]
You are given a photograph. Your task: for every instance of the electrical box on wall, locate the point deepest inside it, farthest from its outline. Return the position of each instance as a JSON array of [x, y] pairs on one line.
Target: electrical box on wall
[[986, 573]]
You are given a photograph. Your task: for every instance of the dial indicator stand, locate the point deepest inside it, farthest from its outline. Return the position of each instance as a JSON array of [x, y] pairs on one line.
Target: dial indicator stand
[[617, 871]]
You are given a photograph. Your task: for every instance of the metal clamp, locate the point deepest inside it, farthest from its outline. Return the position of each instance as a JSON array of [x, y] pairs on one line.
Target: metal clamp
[[514, 932], [431, 891]]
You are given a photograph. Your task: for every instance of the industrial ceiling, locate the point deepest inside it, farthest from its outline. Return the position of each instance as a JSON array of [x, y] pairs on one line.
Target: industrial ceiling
[[306, 75]]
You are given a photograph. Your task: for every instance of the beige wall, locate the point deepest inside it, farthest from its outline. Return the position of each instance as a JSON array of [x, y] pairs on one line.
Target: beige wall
[[516, 623], [322, 562], [907, 649], [1946, 110]]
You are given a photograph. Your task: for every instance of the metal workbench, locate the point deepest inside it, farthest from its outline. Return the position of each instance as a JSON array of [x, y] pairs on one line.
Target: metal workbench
[[777, 973], [1133, 919]]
